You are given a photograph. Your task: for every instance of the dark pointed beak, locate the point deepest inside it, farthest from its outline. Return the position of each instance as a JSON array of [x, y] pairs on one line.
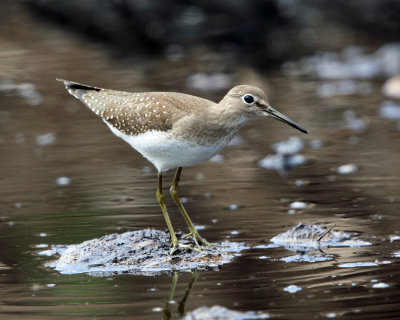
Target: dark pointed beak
[[279, 116]]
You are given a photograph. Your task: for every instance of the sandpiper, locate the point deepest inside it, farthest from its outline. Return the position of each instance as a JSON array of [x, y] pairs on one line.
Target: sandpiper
[[175, 130]]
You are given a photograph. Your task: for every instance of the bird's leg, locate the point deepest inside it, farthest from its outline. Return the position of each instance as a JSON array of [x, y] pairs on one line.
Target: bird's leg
[[175, 195], [161, 200]]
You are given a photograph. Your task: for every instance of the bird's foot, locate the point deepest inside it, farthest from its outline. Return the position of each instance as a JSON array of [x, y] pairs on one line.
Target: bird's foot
[[198, 239], [176, 245]]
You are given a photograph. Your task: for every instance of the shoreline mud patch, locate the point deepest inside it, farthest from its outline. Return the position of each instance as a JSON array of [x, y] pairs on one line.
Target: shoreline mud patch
[[142, 252]]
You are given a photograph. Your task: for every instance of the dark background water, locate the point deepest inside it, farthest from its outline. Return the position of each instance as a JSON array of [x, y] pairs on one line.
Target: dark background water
[[203, 50]]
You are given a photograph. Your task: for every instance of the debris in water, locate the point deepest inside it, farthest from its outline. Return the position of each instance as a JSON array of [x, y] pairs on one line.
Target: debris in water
[[362, 264], [222, 313], [347, 169], [212, 82], [63, 181], [4, 266], [286, 158], [292, 288], [390, 110], [310, 258], [352, 122], [218, 158], [233, 207], [380, 285], [298, 205], [316, 143], [351, 63], [291, 146], [45, 139], [26, 90], [306, 238], [144, 252], [343, 87]]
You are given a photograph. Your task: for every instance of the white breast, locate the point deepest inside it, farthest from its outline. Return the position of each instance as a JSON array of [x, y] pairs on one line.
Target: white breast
[[166, 152]]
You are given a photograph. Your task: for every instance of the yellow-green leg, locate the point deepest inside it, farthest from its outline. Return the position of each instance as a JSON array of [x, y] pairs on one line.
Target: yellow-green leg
[[161, 200], [175, 195]]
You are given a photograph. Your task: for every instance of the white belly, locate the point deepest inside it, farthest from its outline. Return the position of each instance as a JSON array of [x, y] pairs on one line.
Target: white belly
[[166, 152]]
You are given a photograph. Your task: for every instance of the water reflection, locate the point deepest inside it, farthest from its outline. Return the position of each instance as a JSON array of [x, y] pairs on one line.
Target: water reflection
[[180, 310]]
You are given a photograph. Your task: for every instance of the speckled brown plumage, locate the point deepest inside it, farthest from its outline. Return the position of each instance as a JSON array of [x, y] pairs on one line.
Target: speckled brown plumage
[[135, 113]]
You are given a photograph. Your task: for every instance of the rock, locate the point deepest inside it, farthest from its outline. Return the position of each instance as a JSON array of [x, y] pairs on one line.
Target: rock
[[144, 252]]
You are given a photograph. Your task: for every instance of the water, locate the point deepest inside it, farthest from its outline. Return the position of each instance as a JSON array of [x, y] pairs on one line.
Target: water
[[106, 187]]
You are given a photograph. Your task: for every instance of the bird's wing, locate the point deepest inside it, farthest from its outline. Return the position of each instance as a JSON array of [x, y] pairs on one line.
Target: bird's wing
[[133, 113]]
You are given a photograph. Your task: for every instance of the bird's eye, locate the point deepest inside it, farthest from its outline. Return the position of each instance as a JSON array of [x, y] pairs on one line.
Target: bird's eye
[[248, 99]]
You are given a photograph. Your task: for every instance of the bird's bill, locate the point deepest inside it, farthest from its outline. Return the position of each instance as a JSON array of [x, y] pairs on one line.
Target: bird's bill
[[279, 116]]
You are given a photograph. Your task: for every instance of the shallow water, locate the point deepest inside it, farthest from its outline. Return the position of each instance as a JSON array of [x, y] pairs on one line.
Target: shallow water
[[112, 189]]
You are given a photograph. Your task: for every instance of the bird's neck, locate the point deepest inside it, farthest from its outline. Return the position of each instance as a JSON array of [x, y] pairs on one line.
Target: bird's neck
[[219, 126]]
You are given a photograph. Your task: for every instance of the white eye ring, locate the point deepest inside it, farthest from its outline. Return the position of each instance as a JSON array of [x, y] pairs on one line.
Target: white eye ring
[[248, 99]]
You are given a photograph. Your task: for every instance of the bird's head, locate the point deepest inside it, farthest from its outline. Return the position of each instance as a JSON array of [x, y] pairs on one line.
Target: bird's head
[[251, 102]]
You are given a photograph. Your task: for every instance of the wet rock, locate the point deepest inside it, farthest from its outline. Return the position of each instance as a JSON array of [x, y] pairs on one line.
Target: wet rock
[[144, 252], [391, 88], [222, 313]]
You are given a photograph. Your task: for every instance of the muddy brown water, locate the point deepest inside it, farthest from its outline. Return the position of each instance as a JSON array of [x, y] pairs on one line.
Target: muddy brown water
[[112, 189]]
